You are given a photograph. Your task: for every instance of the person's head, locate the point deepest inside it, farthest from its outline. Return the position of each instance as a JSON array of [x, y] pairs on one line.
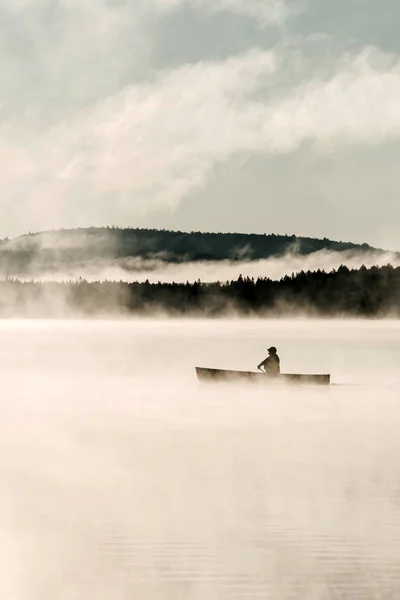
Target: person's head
[[272, 350]]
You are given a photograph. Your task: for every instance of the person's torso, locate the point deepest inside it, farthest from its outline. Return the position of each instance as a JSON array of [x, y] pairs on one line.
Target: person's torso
[[272, 364]]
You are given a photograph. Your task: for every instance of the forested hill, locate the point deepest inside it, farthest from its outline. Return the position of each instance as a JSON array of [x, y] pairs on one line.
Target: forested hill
[[65, 247]]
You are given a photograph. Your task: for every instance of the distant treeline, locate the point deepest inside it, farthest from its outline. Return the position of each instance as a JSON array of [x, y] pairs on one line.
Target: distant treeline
[[364, 292], [60, 249]]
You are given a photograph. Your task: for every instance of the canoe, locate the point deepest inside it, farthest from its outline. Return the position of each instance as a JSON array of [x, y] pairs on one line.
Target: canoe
[[210, 375]]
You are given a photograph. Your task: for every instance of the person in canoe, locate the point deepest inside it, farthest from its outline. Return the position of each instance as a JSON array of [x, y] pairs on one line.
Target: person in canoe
[[272, 364]]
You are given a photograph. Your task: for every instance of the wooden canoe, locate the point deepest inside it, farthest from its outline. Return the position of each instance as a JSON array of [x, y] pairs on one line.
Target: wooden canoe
[[210, 375]]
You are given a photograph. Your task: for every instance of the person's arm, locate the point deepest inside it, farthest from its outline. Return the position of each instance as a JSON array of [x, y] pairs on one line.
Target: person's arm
[[262, 364]]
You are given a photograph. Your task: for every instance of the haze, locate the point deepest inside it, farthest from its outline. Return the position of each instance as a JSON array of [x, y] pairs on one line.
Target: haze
[[136, 269], [121, 477]]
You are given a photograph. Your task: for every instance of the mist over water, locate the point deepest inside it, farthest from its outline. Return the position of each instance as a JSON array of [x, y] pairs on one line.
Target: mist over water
[[121, 477], [138, 269]]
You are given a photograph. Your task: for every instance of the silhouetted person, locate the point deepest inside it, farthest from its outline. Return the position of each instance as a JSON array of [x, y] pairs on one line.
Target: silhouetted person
[[272, 364]]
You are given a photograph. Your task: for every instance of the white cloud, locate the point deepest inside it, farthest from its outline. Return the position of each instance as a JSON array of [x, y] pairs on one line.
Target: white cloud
[[82, 141], [60, 56], [152, 144]]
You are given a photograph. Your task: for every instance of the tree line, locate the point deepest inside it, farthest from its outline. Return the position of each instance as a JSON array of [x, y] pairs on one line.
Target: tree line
[[373, 292]]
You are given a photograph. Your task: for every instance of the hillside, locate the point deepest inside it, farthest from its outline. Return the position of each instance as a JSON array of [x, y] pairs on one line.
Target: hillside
[[56, 250]]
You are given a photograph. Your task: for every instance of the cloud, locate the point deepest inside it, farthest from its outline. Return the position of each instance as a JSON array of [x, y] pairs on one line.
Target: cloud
[[265, 11], [60, 56], [151, 144], [142, 146], [63, 56], [93, 133]]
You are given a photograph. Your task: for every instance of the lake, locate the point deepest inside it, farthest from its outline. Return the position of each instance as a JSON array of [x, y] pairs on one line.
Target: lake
[[121, 477]]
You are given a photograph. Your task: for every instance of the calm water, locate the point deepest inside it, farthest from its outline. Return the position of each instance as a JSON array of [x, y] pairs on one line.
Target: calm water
[[122, 478]]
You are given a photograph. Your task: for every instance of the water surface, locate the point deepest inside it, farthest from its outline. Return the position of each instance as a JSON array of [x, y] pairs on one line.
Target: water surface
[[122, 478]]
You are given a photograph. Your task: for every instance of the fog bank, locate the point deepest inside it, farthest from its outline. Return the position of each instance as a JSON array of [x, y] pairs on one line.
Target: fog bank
[[155, 270], [122, 477]]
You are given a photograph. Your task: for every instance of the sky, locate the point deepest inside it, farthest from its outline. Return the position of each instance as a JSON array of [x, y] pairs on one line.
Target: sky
[[265, 116]]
